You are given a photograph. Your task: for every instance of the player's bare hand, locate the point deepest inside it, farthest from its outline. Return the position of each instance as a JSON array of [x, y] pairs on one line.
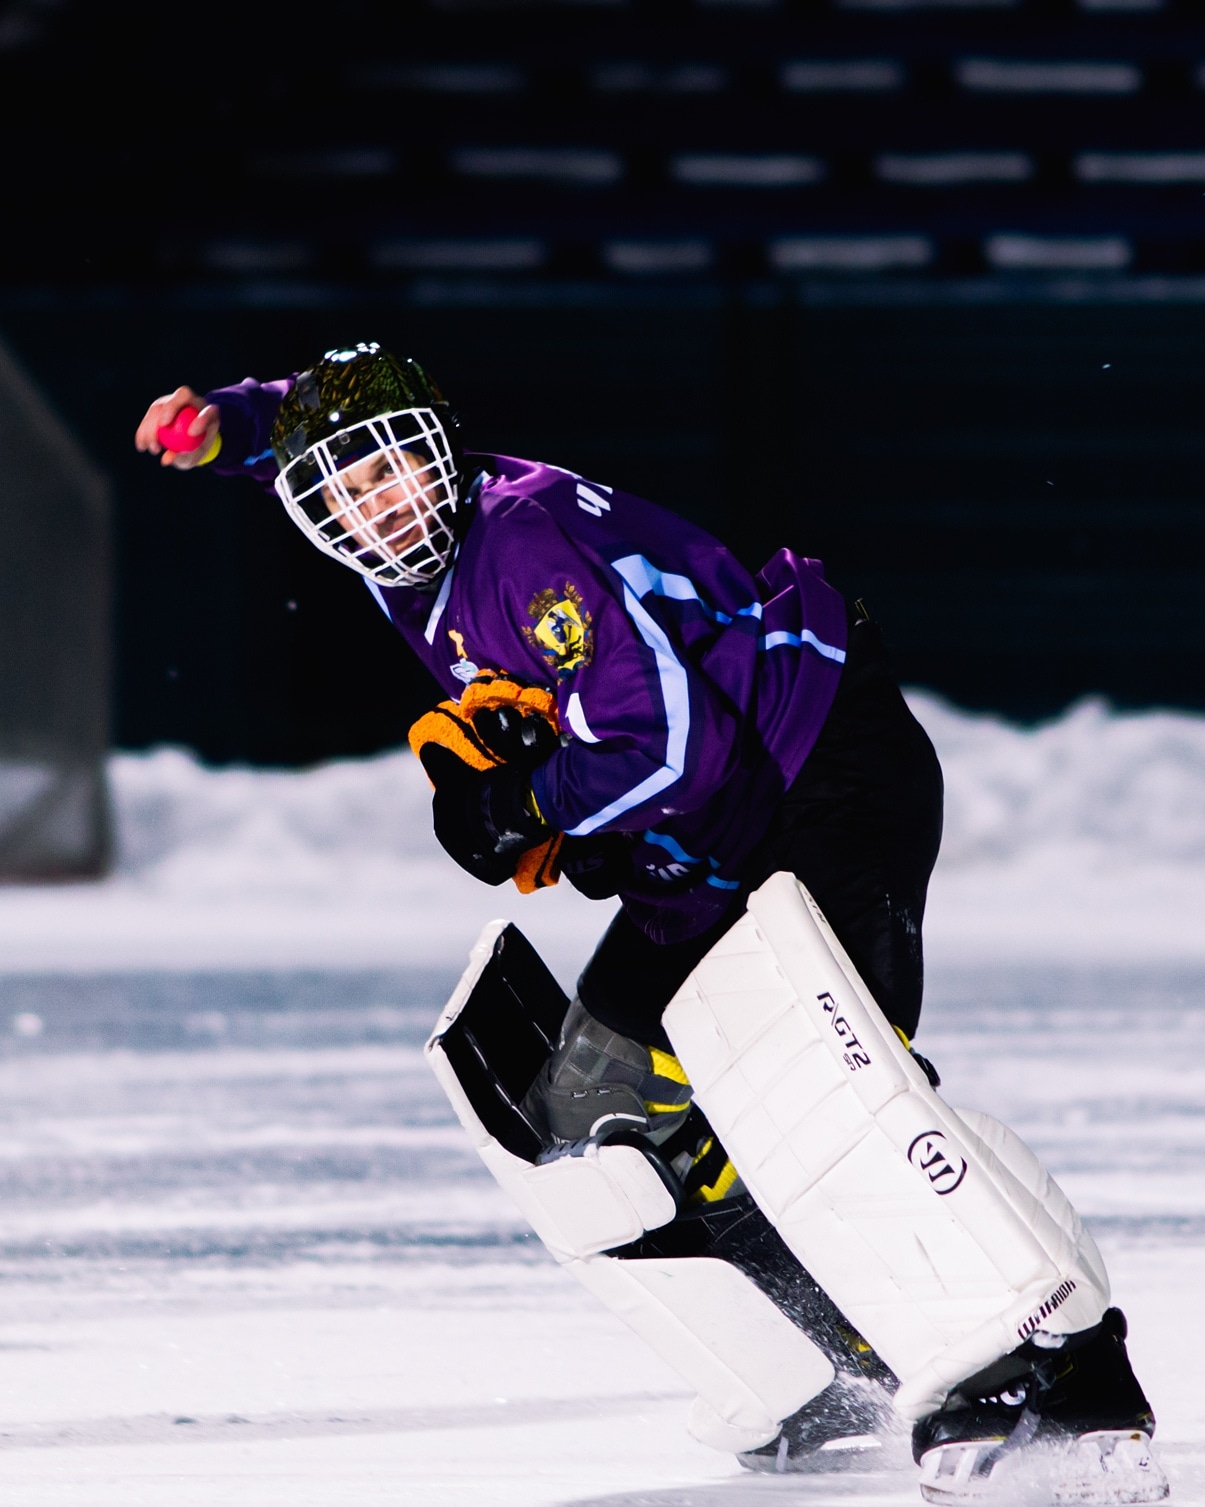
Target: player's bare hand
[[162, 412]]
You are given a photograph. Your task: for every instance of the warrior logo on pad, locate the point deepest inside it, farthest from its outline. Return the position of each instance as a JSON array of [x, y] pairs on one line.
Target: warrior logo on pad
[[928, 1154]]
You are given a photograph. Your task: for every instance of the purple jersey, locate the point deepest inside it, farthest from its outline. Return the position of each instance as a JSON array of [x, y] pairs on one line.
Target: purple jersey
[[690, 692]]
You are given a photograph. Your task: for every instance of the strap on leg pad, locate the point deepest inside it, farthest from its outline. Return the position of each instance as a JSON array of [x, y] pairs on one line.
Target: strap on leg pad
[[751, 1366], [939, 1236]]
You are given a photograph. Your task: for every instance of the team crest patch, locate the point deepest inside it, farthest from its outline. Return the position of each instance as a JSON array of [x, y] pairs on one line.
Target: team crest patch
[[562, 631]]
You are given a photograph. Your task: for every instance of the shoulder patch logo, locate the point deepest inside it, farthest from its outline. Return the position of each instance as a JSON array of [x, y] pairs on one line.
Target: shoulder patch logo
[[562, 632], [464, 669]]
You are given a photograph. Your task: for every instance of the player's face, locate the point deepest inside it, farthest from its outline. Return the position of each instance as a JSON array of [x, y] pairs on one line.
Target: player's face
[[387, 500]]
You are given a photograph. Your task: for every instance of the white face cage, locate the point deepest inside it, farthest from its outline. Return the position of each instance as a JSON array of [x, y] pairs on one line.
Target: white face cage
[[379, 496]]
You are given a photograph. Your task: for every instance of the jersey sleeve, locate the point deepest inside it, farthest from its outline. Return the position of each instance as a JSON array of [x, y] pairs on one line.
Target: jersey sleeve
[[649, 734], [248, 411]]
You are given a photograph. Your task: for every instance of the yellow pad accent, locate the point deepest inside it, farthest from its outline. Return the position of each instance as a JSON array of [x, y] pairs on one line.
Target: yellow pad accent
[[713, 1192], [665, 1065], [719, 1188]]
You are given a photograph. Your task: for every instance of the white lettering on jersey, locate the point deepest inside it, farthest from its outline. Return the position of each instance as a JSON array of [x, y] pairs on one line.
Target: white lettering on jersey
[[589, 500]]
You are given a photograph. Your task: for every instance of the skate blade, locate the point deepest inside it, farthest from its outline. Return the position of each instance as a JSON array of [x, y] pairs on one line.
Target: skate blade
[[853, 1453], [1112, 1468]]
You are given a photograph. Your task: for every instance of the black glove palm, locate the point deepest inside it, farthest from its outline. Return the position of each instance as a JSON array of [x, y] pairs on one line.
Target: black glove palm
[[482, 816]]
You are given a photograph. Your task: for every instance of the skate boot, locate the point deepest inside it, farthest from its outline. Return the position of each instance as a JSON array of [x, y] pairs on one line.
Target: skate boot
[[849, 1426], [598, 1084], [1062, 1419]]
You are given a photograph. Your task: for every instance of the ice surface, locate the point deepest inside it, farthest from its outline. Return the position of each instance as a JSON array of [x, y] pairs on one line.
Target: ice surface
[[246, 1256], [1081, 839], [268, 1276]]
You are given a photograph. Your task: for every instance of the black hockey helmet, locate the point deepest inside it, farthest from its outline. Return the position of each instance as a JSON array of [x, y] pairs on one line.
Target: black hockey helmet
[[369, 464]]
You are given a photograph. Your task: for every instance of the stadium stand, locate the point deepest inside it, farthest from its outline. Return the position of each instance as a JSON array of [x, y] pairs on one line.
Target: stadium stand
[[919, 287]]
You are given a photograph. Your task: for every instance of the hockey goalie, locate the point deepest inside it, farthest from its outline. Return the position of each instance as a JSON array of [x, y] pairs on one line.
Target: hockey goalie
[[726, 1135]]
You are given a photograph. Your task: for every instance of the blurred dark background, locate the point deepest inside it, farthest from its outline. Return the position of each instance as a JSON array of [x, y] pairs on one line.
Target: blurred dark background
[[917, 289]]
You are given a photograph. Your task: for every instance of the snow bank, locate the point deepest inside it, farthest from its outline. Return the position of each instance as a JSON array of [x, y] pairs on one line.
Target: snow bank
[[1129, 788], [1080, 840], [192, 833], [333, 867]]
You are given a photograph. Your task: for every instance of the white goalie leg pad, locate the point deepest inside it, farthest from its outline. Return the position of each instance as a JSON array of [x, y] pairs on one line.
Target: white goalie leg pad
[[998, 1139], [577, 1205], [751, 1366], [938, 1235]]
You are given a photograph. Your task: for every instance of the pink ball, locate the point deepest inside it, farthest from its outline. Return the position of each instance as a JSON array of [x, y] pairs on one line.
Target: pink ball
[[175, 436]]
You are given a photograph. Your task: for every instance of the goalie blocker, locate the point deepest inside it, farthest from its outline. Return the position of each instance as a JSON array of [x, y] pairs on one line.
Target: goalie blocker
[[936, 1233]]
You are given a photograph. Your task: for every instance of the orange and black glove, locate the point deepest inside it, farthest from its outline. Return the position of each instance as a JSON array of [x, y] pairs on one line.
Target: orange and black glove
[[479, 754]]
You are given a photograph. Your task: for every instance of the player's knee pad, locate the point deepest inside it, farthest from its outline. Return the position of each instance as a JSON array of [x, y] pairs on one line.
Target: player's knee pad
[[751, 1366], [937, 1234]]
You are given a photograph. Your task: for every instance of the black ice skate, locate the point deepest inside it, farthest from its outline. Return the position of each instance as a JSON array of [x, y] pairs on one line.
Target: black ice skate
[[849, 1426], [1058, 1422]]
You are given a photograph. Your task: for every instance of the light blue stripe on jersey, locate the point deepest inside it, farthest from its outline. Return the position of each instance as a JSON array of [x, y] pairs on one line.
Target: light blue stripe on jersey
[[676, 850], [675, 693], [798, 640], [673, 848], [753, 610], [437, 611], [441, 601], [380, 596], [643, 576]]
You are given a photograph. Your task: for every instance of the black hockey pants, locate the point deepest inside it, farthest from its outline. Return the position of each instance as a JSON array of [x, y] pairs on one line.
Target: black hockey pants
[[860, 826]]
